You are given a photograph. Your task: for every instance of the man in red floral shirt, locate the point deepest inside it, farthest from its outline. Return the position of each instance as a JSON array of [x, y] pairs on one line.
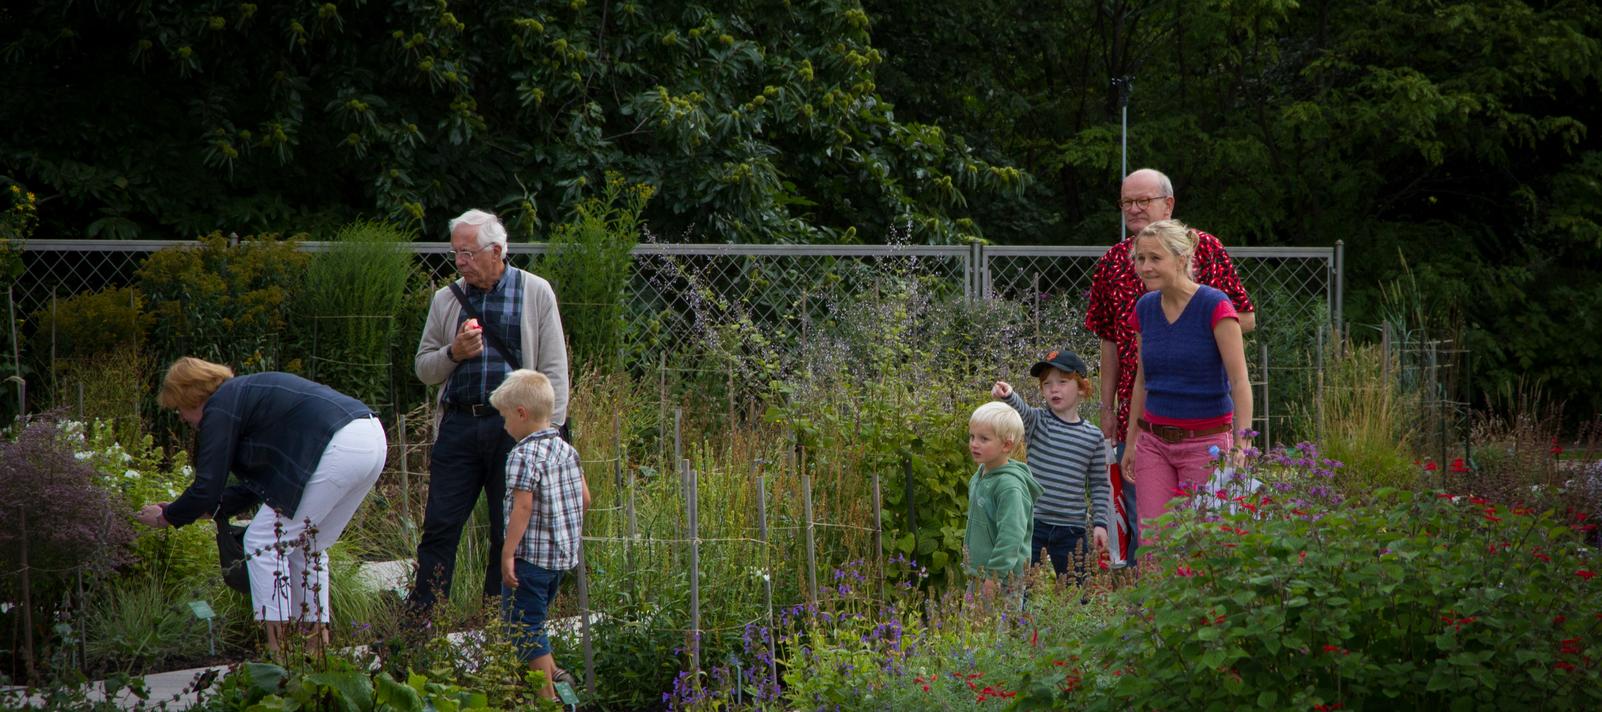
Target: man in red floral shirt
[[1147, 196]]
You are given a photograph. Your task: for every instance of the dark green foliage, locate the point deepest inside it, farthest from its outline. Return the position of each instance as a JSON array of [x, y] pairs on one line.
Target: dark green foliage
[[755, 120]]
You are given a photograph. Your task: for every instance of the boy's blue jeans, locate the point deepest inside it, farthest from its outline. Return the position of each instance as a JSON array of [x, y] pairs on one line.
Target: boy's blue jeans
[[1063, 543], [524, 608]]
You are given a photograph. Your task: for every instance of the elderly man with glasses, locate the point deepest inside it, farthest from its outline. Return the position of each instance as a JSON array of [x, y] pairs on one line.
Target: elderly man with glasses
[[494, 320], [1147, 197]]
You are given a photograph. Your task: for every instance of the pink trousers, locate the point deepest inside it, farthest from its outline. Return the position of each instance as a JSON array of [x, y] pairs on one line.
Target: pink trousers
[[1160, 468]]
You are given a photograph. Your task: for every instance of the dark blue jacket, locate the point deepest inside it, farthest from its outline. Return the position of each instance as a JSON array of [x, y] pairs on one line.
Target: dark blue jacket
[[269, 430]]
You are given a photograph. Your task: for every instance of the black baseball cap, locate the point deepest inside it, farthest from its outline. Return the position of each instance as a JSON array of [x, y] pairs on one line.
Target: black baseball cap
[[1064, 360]]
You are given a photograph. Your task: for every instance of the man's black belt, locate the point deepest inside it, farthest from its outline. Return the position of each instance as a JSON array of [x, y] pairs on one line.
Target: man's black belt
[[477, 410]]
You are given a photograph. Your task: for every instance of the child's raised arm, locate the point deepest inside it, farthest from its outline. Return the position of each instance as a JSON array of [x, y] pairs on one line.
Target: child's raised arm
[[1001, 390]]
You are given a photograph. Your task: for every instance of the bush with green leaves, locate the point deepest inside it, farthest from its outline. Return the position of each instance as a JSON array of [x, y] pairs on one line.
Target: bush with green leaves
[[224, 300], [1415, 600]]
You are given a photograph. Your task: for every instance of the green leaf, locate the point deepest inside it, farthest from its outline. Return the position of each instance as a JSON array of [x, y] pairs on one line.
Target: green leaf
[[391, 693], [352, 689]]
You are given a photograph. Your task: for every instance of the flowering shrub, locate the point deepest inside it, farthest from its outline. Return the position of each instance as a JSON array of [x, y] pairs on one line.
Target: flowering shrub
[[137, 474], [1413, 600], [58, 523], [916, 651], [54, 508]]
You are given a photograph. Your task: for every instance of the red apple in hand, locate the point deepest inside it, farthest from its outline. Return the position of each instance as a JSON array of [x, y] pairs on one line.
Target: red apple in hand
[[472, 325]]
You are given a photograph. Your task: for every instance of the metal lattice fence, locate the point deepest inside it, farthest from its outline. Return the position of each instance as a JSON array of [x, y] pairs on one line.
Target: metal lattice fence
[[707, 296]]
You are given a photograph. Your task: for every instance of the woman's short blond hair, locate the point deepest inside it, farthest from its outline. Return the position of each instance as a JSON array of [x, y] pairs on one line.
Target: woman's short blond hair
[[1177, 238], [529, 389], [1002, 420], [190, 381]]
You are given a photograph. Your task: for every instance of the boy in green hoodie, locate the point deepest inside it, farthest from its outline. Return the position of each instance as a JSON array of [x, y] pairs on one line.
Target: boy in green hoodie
[[1001, 498]]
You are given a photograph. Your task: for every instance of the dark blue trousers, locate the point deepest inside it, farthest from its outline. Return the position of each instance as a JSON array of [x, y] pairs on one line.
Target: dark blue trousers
[[469, 457]]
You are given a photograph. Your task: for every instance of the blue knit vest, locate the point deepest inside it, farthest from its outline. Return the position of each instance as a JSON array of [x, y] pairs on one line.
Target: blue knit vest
[[1185, 375]]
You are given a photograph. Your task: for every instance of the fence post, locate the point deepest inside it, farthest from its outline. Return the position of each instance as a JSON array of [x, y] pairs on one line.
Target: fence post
[[812, 544], [691, 485], [1340, 280], [584, 623], [767, 564]]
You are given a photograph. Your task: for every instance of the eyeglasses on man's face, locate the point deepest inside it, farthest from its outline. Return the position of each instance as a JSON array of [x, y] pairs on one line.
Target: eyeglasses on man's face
[[1128, 203], [466, 254]]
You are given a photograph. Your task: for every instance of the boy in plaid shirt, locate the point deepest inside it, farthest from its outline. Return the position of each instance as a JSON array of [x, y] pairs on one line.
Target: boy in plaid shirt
[[546, 496]]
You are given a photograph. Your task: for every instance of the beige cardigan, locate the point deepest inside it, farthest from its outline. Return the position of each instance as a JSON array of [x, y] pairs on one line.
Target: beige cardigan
[[544, 347]]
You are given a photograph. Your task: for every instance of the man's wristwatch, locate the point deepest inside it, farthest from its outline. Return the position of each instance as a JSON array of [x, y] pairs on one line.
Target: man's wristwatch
[[451, 354]]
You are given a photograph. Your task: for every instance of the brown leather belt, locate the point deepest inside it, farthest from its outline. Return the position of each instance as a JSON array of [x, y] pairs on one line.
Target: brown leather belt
[[1174, 434]]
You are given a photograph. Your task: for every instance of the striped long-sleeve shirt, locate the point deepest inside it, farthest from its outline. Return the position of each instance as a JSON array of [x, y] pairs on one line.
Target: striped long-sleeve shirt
[[1070, 461]]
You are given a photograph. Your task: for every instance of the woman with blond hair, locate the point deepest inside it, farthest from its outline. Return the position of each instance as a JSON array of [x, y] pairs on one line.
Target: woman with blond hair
[[1191, 392], [308, 452]]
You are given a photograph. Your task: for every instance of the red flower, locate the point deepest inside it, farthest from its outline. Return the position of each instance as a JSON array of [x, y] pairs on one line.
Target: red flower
[[1430, 466], [1558, 619], [1585, 574], [1569, 646], [1556, 448], [1563, 665], [1184, 571], [1302, 557], [1458, 466], [1542, 556]]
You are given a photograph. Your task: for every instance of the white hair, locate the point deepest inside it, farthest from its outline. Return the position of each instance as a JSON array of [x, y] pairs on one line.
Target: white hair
[[1001, 419], [1165, 187], [490, 229]]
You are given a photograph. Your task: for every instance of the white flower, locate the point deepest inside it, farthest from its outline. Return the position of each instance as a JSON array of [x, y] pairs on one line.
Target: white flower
[[81, 456], [186, 471], [131, 474]]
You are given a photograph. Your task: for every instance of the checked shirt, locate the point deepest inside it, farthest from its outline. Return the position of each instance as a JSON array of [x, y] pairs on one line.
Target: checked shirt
[[546, 465]]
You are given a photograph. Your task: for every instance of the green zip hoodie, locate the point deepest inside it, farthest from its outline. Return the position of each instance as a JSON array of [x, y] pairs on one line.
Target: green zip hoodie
[[1001, 523]]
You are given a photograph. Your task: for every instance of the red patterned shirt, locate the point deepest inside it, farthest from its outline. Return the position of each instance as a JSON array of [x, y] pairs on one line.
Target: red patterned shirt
[[1115, 288]]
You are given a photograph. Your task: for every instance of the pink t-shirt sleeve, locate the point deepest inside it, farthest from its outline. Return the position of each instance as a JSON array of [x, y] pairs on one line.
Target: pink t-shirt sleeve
[[1224, 310]]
